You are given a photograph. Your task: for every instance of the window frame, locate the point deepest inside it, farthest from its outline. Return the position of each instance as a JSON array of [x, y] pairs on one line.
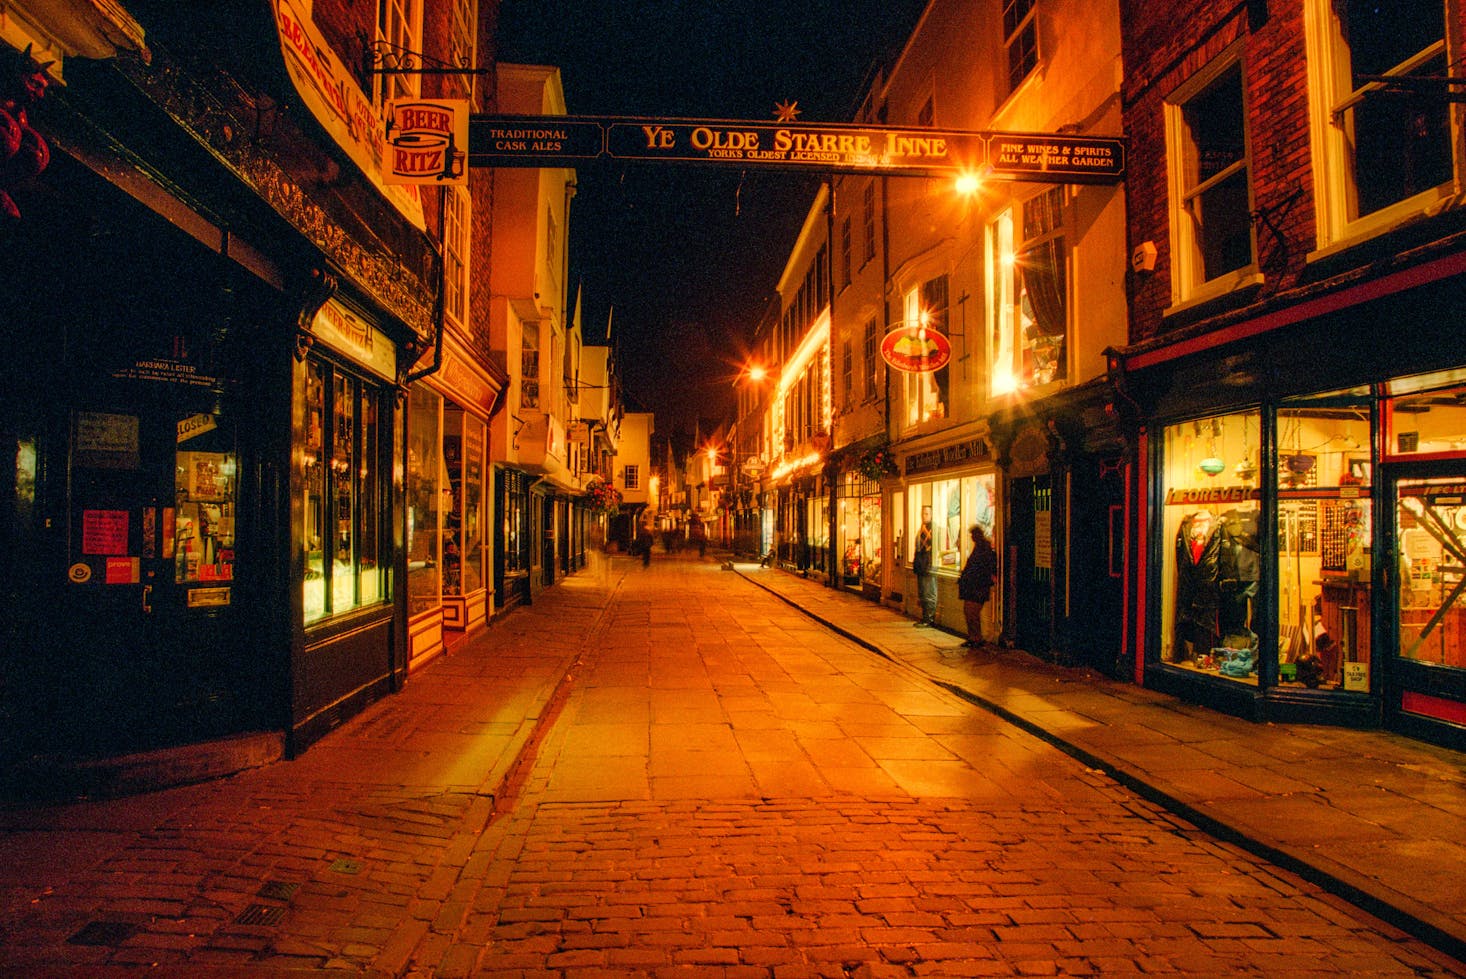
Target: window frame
[[457, 211], [398, 28], [1003, 251], [1329, 61], [1188, 284], [1024, 30]]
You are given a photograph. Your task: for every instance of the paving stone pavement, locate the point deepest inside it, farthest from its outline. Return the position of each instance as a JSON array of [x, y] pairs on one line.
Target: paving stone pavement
[[664, 772]]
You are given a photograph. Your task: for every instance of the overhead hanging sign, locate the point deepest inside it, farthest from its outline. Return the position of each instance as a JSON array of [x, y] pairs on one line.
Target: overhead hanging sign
[[427, 141], [547, 141], [916, 349]]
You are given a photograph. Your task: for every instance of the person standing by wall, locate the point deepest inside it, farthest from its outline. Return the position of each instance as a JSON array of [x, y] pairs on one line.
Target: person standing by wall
[[975, 583], [921, 566]]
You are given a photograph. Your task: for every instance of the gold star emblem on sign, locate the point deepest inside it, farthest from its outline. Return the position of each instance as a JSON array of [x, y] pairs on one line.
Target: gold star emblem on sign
[[786, 111]]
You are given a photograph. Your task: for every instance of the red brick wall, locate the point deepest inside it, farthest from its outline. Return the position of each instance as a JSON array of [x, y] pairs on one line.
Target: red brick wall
[[1165, 43]]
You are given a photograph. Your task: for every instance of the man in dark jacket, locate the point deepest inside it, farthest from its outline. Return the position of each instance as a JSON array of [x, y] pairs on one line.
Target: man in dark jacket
[[975, 583]]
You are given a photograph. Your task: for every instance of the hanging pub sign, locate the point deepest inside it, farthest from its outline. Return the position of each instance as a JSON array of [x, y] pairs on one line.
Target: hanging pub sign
[[427, 142], [916, 349]]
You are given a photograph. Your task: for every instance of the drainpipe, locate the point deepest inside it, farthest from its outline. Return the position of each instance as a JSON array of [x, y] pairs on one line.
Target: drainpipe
[[439, 312]]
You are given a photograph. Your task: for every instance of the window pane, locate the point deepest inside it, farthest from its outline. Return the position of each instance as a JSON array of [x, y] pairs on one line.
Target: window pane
[[371, 576], [314, 479], [1430, 422], [423, 471], [1402, 145], [1216, 147], [1430, 521], [1223, 226], [343, 482], [1210, 567], [473, 505], [1382, 34], [1214, 122], [1324, 524]]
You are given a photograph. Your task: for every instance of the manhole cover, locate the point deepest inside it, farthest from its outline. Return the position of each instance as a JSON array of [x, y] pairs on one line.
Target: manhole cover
[[346, 867], [277, 890], [104, 933], [260, 914]]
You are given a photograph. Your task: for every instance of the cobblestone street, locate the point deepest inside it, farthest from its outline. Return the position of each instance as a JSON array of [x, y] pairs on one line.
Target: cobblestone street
[[718, 786]]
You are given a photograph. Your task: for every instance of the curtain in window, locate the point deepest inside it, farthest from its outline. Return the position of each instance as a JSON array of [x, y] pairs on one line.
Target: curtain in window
[[1042, 267]]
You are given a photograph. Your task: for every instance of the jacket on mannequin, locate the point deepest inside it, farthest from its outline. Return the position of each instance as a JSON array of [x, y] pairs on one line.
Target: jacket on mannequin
[[1198, 594], [1237, 573]]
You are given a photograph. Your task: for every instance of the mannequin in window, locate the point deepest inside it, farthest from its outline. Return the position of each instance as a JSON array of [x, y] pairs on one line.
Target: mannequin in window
[[1237, 574], [1198, 598]]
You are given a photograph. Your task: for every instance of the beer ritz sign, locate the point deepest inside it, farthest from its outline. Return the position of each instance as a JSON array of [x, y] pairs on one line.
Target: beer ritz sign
[[427, 141]]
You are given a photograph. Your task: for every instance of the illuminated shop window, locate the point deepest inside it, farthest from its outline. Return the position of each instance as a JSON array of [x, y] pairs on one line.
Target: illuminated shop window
[[344, 499]]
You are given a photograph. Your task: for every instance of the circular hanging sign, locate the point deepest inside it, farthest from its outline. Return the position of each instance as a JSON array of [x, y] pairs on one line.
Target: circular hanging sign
[[916, 349]]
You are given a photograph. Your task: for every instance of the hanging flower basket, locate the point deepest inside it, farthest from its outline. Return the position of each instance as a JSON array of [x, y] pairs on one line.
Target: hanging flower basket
[[603, 498], [877, 463]]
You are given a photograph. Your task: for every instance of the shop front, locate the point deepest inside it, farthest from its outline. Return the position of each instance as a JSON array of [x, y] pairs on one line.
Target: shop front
[[448, 501], [200, 532], [858, 535], [803, 524], [1308, 532], [955, 486]]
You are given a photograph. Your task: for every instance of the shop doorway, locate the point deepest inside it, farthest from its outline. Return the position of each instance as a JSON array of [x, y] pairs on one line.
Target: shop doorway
[[1428, 613], [149, 626], [1030, 567]]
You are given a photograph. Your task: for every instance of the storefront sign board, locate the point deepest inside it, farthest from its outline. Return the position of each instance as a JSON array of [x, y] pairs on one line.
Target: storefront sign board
[[330, 92]]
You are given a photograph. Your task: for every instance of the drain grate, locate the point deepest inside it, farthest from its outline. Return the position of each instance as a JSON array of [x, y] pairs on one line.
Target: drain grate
[[277, 890], [260, 914], [103, 933]]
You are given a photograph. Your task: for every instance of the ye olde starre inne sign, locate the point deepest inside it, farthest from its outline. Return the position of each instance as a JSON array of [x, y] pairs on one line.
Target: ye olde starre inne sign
[[546, 141]]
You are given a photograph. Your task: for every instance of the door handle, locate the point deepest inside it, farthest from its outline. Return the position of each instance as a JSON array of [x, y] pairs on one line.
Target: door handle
[[148, 599]]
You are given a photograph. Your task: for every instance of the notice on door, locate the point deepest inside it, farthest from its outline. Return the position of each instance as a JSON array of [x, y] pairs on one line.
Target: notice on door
[[104, 531]]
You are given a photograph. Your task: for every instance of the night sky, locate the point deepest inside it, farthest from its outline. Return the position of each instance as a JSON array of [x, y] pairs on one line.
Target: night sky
[[689, 256]]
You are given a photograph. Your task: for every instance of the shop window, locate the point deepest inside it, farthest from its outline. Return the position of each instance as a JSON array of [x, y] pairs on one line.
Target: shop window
[[344, 497], [1429, 422], [1020, 39], [462, 542], [1211, 226], [399, 35], [205, 481], [859, 527], [1430, 528], [956, 505], [1030, 295], [425, 485], [1382, 150], [514, 512], [1211, 561], [1323, 531]]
